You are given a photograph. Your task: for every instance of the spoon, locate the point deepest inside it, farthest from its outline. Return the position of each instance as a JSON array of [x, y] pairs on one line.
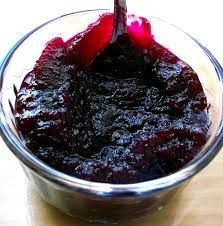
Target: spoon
[[119, 59], [120, 19]]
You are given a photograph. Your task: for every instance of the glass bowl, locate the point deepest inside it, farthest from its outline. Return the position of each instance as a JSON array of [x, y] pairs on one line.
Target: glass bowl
[[100, 202]]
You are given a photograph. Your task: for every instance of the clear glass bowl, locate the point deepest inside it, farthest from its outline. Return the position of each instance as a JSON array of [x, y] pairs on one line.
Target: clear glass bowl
[[99, 202]]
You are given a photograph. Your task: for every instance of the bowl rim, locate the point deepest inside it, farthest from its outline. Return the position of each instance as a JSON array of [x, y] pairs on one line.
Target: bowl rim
[[105, 189]]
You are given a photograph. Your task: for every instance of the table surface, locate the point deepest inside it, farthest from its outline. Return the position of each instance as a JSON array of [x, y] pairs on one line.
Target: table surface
[[200, 204]]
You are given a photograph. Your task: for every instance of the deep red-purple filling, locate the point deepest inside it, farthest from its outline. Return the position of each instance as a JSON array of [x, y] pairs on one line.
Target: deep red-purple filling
[[128, 113]]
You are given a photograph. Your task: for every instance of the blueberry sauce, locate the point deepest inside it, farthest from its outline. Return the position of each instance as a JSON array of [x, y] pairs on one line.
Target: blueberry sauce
[[117, 112]]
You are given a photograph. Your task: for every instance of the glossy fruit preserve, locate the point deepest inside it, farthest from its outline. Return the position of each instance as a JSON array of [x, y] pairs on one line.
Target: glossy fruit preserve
[[116, 112]]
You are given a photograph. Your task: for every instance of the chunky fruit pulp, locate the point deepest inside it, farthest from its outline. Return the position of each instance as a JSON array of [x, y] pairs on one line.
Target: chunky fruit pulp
[[121, 112]]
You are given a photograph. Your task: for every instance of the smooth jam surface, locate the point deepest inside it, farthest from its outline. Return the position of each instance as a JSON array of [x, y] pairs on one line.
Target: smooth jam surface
[[122, 112]]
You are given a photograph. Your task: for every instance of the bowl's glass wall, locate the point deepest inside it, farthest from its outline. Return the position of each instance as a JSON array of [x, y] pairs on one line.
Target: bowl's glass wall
[[63, 196]]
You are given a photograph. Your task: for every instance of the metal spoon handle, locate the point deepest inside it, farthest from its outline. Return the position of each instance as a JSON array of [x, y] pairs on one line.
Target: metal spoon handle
[[120, 19]]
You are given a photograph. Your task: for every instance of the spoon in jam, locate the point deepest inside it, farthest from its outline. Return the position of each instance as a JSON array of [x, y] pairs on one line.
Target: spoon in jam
[[120, 59], [120, 19]]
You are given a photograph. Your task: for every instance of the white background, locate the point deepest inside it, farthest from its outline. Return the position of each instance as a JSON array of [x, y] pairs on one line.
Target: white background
[[201, 18]]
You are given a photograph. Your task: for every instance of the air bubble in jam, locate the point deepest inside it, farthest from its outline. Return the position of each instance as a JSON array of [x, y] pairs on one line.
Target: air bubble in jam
[[132, 113]]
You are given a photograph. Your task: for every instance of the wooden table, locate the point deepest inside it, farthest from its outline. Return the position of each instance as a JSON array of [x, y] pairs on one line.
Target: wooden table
[[200, 204]]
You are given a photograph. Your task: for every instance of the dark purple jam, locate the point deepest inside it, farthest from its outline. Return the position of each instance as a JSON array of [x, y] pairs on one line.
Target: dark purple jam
[[127, 113]]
